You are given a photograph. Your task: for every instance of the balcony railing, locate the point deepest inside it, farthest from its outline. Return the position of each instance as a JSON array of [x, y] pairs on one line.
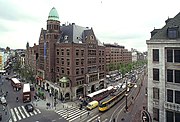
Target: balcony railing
[[172, 106]]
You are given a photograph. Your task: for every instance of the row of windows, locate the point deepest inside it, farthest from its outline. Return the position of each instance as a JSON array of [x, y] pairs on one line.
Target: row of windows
[[170, 115], [172, 96], [172, 75], [68, 61], [173, 55], [79, 71], [80, 81], [79, 52], [52, 27], [64, 85]]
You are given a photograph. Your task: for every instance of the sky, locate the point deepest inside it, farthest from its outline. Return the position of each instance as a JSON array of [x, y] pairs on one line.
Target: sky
[[126, 22]]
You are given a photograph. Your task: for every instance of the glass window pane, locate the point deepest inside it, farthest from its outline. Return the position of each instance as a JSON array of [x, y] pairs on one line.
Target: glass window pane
[[177, 117], [169, 75], [177, 97], [169, 95], [177, 56], [169, 116], [156, 74], [177, 76], [155, 54], [169, 55]]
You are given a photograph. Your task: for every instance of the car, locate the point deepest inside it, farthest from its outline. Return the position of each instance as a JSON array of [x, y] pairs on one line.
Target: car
[[92, 105], [8, 78], [3, 101], [29, 107]]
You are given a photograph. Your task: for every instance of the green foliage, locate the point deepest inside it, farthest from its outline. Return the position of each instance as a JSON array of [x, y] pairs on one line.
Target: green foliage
[[125, 68]]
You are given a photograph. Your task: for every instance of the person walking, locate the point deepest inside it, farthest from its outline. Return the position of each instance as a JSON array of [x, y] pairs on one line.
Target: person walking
[[17, 99]]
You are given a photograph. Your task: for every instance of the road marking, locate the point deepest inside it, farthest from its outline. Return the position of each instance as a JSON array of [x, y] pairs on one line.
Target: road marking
[[92, 118], [17, 113], [75, 116], [31, 113], [10, 120], [13, 115], [25, 111], [21, 112], [38, 111], [35, 112]]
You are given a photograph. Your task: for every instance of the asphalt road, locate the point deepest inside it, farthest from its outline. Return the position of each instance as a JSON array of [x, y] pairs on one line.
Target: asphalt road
[[17, 111], [116, 113]]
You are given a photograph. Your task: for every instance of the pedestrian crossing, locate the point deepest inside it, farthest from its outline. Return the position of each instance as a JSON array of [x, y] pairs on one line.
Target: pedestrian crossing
[[19, 113], [72, 113]]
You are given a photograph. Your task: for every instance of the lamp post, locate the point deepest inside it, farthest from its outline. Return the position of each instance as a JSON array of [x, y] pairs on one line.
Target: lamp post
[[126, 107]]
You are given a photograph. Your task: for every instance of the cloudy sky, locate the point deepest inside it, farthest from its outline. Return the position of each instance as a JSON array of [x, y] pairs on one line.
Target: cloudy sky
[[126, 22]]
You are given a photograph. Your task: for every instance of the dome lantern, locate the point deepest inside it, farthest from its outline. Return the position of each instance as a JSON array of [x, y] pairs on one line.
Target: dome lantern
[[53, 14]]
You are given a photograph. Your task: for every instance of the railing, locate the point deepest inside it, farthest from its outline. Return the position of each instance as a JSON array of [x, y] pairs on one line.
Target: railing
[[172, 106]]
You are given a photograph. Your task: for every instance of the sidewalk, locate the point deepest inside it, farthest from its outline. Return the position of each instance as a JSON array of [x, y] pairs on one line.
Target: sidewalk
[[135, 109], [42, 104], [4, 113]]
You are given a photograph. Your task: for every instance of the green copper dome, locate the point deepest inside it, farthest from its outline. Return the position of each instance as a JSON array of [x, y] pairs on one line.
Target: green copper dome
[[53, 15]]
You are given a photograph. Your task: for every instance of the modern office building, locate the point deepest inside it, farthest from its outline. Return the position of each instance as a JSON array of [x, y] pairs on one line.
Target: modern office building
[[164, 72]]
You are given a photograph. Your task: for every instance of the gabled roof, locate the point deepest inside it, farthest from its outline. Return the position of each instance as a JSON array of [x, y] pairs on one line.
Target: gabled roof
[[172, 22], [75, 34]]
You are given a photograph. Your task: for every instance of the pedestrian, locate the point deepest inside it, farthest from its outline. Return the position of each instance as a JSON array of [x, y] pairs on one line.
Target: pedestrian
[[17, 99], [88, 113], [3, 108], [47, 104]]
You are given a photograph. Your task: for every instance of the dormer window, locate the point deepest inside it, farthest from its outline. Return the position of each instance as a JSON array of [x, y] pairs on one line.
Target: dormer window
[[91, 37], [172, 32]]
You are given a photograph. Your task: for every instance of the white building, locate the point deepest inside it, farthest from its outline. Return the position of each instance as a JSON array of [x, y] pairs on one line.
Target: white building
[[3, 59], [164, 72]]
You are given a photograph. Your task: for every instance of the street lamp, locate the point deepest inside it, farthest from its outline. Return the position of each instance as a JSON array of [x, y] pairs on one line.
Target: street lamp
[[126, 102], [126, 78]]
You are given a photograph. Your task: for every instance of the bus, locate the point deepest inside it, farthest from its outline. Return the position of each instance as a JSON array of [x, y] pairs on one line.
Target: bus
[[16, 83], [100, 94], [26, 93]]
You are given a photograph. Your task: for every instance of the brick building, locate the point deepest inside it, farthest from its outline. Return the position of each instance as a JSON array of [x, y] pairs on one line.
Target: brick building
[[70, 60], [116, 54]]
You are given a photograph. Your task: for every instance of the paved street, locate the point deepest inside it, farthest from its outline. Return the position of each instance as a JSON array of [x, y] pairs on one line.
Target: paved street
[[68, 111], [19, 113], [134, 110]]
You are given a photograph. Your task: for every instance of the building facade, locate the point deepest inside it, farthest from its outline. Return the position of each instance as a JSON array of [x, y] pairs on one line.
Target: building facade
[[164, 72], [69, 60], [116, 54]]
